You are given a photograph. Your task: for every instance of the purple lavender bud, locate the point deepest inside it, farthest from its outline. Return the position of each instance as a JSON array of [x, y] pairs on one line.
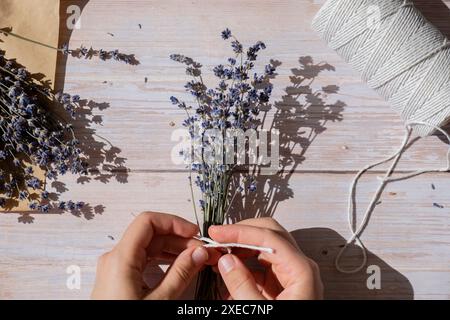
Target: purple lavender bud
[[226, 34], [79, 205]]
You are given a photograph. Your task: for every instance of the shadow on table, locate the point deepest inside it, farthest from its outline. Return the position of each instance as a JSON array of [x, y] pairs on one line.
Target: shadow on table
[[300, 117], [103, 158], [322, 245]]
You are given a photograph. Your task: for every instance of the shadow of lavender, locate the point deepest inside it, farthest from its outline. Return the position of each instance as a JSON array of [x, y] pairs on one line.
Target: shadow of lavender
[[102, 157], [300, 117]]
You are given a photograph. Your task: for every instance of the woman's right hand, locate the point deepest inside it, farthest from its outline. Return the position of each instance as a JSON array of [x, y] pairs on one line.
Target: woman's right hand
[[288, 273]]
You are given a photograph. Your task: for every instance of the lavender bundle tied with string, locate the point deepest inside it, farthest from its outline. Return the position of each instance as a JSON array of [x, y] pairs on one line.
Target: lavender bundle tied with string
[[406, 60], [216, 113]]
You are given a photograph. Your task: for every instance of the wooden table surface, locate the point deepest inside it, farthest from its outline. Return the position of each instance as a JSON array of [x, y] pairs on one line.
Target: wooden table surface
[[329, 135]]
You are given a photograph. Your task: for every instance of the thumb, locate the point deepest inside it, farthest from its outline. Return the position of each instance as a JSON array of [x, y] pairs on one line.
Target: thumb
[[180, 274], [239, 281]]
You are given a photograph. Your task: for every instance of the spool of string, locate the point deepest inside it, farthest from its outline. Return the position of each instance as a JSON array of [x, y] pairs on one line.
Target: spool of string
[[406, 60]]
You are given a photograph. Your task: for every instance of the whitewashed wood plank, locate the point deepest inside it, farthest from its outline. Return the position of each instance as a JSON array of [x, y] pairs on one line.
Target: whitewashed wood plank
[[408, 237]]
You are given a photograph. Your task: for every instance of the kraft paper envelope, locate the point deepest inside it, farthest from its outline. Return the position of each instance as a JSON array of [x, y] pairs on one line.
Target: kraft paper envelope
[[37, 20]]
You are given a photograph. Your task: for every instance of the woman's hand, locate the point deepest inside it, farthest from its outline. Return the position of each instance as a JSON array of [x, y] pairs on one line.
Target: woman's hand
[[152, 236], [288, 274]]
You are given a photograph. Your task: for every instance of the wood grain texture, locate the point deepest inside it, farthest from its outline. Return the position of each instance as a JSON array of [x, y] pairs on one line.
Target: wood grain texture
[[408, 237]]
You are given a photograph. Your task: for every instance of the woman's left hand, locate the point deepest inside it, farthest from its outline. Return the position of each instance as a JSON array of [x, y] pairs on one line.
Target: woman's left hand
[[152, 236]]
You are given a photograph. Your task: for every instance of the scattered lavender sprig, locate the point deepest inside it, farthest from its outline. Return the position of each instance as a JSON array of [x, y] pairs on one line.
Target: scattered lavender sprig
[[33, 135], [84, 52], [81, 52], [235, 103]]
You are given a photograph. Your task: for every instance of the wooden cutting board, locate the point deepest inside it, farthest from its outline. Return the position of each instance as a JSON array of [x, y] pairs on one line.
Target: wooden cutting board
[[37, 20]]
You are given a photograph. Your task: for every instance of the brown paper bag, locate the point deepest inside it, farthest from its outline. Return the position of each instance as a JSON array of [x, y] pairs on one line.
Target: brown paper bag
[[37, 20]]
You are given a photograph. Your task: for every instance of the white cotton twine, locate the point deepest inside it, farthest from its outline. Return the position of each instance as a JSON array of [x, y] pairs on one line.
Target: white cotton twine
[[407, 61], [214, 244]]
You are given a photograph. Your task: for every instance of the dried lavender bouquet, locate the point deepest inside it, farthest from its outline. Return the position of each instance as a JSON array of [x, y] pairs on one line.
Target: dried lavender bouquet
[[234, 104], [34, 134]]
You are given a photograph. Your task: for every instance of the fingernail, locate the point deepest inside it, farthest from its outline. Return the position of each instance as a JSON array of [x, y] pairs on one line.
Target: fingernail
[[200, 256], [226, 263]]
